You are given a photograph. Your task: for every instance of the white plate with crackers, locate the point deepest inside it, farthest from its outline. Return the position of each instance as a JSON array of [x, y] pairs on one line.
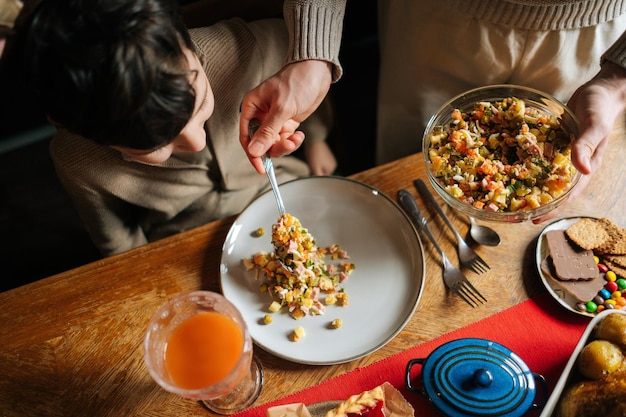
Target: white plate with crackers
[[566, 266]]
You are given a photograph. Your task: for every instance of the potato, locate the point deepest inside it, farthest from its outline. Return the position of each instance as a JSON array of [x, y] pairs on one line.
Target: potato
[[599, 358], [613, 329], [595, 398]]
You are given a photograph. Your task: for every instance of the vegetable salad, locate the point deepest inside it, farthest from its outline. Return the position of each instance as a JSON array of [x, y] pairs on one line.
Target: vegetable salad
[[502, 156], [298, 276]]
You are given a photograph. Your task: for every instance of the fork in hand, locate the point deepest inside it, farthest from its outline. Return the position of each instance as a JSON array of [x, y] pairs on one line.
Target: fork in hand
[[452, 276], [269, 168], [467, 256], [271, 175]]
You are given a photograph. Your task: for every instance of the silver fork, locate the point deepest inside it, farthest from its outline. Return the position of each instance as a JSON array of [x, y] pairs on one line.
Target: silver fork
[[467, 256], [271, 175], [269, 169], [452, 276]]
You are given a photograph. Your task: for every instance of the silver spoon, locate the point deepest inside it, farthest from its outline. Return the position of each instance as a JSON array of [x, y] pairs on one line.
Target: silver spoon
[[483, 235]]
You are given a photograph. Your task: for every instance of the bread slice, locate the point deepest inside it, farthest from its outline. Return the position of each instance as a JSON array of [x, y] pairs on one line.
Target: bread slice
[[383, 400]]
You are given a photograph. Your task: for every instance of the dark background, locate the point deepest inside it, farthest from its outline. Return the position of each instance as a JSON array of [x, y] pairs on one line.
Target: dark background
[[40, 232]]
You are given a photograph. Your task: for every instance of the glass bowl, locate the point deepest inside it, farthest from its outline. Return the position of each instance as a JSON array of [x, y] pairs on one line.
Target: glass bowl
[[465, 185]]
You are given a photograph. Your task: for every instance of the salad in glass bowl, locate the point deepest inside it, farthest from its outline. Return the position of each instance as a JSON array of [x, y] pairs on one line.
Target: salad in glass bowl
[[502, 153]]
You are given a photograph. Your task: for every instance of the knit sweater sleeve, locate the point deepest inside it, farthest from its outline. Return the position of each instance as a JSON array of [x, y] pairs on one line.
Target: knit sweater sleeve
[[315, 28], [541, 14], [617, 52]]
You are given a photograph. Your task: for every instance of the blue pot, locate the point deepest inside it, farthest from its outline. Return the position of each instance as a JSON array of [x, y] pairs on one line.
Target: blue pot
[[476, 377]]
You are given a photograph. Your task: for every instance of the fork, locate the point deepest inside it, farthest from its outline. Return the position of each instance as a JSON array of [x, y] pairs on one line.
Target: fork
[[269, 169], [467, 256], [452, 276]]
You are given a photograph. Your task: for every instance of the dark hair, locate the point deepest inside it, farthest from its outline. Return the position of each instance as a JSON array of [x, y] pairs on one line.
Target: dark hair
[[113, 71]]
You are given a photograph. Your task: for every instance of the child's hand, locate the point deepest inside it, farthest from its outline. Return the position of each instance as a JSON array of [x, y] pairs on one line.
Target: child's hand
[[281, 103]]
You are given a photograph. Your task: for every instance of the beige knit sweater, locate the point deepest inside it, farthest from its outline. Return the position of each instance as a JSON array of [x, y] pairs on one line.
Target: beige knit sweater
[[549, 15], [315, 28]]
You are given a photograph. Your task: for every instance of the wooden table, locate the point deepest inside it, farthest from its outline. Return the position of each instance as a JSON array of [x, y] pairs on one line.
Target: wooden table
[[71, 344]]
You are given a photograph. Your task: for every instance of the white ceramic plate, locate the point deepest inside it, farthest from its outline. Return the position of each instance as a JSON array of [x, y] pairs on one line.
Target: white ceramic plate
[[550, 408], [383, 291], [564, 298]]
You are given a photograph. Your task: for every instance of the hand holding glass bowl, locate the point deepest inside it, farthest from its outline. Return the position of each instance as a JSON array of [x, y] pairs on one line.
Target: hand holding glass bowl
[[535, 162], [198, 346]]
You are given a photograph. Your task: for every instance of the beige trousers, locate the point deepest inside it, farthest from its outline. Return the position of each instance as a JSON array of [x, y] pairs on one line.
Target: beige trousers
[[430, 53]]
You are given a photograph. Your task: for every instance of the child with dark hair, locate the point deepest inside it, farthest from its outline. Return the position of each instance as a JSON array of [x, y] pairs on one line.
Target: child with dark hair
[[148, 113], [116, 72]]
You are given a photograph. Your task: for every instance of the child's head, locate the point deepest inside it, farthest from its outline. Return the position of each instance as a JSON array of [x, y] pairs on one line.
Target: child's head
[[114, 71]]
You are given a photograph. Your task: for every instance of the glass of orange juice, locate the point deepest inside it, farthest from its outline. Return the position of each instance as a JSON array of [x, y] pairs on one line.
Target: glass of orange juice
[[198, 346]]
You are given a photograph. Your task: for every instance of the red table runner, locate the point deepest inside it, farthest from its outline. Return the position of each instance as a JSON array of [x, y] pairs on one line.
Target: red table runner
[[540, 331]]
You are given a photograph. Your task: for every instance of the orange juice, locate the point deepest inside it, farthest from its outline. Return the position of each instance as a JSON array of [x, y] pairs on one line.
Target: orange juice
[[203, 350]]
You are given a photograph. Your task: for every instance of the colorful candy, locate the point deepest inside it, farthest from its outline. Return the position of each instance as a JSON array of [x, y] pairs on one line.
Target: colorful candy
[[611, 286], [613, 295]]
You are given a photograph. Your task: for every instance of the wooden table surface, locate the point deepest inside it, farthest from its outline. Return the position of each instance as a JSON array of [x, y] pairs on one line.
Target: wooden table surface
[[71, 344]]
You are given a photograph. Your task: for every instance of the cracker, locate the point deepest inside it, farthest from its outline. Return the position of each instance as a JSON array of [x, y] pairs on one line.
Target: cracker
[[588, 233], [570, 262], [619, 260], [620, 247], [619, 270], [616, 245]]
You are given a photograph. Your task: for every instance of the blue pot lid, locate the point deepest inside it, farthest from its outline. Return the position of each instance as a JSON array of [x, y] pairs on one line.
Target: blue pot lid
[[477, 377]]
